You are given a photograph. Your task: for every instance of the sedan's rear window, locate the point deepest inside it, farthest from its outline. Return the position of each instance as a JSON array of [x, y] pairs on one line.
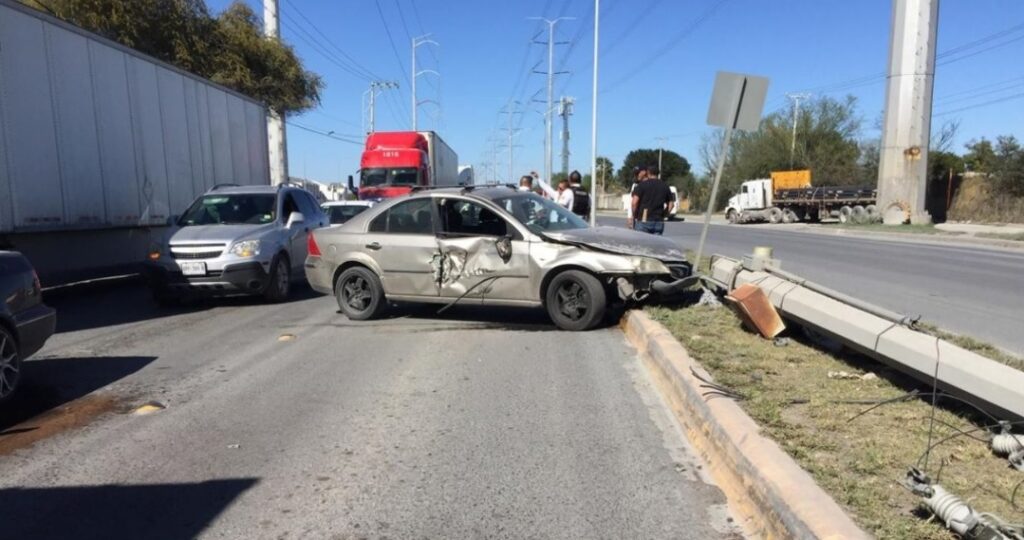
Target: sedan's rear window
[[409, 217]]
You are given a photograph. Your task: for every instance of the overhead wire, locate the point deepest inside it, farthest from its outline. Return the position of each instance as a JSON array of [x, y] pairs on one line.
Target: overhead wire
[[391, 40], [352, 61], [328, 134]]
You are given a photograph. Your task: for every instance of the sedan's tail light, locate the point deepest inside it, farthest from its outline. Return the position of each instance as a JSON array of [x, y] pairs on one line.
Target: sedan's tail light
[[311, 248]]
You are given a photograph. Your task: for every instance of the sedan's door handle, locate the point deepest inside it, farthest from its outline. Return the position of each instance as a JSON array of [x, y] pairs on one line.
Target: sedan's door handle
[[373, 245]]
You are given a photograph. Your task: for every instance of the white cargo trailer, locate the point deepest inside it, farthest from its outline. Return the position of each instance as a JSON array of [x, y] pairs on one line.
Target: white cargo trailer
[[100, 145]]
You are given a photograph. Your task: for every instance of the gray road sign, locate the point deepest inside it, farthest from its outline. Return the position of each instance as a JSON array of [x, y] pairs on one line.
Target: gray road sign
[[737, 101]]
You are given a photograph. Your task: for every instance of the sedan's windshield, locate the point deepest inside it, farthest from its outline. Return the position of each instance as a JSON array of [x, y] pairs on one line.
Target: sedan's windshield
[[408, 176], [230, 209], [540, 214]]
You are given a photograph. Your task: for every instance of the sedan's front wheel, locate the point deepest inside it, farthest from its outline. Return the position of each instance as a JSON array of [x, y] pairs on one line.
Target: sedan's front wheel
[[360, 294], [575, 300], [10, 365]]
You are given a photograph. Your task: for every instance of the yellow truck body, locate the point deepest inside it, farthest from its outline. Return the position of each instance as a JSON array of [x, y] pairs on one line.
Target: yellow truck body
[[791, 179]]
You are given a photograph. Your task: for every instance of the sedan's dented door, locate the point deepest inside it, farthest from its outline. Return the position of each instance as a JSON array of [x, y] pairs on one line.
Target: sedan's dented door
[[402, 241], [482, 254]]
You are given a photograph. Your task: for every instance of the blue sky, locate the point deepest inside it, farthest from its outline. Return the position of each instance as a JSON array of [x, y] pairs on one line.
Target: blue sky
[[657, 66]]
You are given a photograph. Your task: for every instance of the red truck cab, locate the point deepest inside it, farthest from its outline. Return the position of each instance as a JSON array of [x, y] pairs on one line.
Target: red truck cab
[[392, 164]]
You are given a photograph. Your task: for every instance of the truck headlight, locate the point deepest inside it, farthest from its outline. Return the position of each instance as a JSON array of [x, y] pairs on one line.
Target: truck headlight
[[647, 265], [245, 248]]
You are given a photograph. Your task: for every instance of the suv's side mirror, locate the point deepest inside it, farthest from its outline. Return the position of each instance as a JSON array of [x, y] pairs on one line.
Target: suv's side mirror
[[295, 218]]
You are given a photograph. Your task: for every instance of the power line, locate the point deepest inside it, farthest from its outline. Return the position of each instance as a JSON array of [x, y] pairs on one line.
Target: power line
[[391, 40], [976, 95], [307, 38], [341, 51], [336, 119], [982, 104], [328, 134]]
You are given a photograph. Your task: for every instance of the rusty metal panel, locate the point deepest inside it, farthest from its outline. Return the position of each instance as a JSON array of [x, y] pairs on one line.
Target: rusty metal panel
[[756, 310]]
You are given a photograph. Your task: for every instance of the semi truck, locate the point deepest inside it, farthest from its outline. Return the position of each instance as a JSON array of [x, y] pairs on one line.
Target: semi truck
[[789, 197], [394, 162], [100, 146]]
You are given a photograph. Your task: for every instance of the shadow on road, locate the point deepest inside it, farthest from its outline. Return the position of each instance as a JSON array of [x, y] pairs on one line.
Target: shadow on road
[[152, 511], [129, 301], [50, 383], [467, 317]]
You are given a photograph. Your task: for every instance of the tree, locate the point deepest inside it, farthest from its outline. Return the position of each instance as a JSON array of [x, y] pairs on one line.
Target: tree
[[605, 172], [229, 49], [980, 155], [674, 167]]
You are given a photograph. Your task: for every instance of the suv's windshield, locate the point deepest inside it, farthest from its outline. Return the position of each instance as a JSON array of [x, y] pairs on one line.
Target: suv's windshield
[[540, 214], [408, 176], [230, 209]]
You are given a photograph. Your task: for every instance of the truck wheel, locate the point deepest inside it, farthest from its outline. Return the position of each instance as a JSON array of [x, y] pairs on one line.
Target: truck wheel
[[844, 214], [360, 294], [873, 215], [733, 217], [774, 215], [789, 216], [575, 300], [280, 280], [10, 364], [859, 215]]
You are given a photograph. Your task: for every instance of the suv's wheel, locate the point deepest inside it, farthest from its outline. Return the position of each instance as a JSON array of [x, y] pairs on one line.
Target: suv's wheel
[[575, 300], [360, 294], [10, 365], [280, 280]]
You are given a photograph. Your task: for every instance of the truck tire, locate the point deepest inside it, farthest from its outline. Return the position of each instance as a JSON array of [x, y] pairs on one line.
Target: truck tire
[[844, 214], [733, 216], [774, 215], [575, 300], [789, 216], [873, 214], [859, 215]]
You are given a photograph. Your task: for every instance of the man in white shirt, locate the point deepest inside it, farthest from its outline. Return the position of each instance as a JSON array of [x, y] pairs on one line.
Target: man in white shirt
[[565, 195], [546, 187]]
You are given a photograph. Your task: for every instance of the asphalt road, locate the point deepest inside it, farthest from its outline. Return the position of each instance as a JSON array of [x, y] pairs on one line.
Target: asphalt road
[[977, 292], [289, 421]]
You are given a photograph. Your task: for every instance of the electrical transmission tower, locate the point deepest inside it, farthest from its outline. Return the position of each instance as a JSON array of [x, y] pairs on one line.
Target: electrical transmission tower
[[416, 42], [511, 110], [375, 88], [549, 110]]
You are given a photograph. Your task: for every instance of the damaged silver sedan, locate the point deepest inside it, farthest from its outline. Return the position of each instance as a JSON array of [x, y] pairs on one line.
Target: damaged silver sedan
[[489, 246]]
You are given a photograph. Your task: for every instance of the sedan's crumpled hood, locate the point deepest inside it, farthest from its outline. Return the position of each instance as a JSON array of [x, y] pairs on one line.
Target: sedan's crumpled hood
[[217, 233], [622, 241]]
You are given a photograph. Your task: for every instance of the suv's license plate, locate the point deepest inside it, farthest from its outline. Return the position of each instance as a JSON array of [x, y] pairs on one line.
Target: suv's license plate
[[193, 268]]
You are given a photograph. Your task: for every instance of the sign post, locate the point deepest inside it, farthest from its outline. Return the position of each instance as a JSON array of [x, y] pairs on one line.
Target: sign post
[[736, 103]]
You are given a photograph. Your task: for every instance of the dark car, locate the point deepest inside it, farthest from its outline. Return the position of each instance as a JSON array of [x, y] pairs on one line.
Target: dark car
[[25, 322]]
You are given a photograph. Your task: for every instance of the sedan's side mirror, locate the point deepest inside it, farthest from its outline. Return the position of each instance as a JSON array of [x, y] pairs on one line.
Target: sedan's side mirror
[[504, 247], [295, 218]]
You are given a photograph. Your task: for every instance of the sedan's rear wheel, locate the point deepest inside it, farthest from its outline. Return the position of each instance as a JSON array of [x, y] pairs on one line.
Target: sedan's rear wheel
[[10, 365], [360, 294], [575, 300]]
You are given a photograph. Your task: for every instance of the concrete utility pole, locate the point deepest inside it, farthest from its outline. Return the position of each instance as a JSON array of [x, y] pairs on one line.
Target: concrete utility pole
[[903, 167], [416, 42], [661, 148], [375, 88], [593, 121], [565, 110], [276, 138], [796, 115], [548, 154]]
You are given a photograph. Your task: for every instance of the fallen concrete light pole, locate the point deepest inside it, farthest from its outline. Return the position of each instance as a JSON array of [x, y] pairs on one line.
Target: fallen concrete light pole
[[880, 334]]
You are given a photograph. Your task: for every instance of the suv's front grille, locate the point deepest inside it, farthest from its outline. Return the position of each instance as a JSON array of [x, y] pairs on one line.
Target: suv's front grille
[[197, 251]]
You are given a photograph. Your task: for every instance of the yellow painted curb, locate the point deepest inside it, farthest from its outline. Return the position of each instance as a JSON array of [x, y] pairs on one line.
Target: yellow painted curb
[[770, 492]]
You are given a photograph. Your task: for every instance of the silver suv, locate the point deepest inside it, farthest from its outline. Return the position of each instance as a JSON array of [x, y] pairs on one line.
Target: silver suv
[[236, 240]]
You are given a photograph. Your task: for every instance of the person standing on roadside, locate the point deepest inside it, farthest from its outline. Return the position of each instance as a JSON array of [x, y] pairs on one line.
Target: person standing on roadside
[[580, 197], [652, 199], [639, 175], [565, 195], [526, 183]]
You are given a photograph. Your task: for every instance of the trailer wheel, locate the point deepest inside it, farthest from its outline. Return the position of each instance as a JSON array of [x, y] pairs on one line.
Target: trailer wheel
[[789, 216], [859, 215], [873, 215], [774, 215], [844, 214]]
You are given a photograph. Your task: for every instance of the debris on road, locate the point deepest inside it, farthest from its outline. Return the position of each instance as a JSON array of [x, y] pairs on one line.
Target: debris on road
[[869, 376], [149, 408], [756, 310], [286, 337]]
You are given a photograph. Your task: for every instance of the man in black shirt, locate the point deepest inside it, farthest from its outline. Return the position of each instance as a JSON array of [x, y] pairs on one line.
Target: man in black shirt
[[652, 199]]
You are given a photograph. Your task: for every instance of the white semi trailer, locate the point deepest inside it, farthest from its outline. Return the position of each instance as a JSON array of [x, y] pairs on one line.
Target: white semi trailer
[[101, 145]]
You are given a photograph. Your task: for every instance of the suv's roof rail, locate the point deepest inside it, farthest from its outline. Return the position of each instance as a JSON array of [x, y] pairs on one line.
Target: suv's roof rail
[[218, 186]]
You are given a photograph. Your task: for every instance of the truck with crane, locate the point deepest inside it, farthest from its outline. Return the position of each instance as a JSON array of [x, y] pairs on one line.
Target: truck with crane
[[395, 162], [789, 197]]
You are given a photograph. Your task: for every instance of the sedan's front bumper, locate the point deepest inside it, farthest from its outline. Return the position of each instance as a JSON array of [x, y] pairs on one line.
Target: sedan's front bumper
[[241, 278], [34, 326]]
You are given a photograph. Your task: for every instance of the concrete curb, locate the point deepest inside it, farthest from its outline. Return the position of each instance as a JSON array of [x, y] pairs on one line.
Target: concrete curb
[[763, 484]]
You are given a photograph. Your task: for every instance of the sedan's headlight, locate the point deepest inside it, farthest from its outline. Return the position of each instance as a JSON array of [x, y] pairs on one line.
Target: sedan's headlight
[[647, 265], [245, 248]]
